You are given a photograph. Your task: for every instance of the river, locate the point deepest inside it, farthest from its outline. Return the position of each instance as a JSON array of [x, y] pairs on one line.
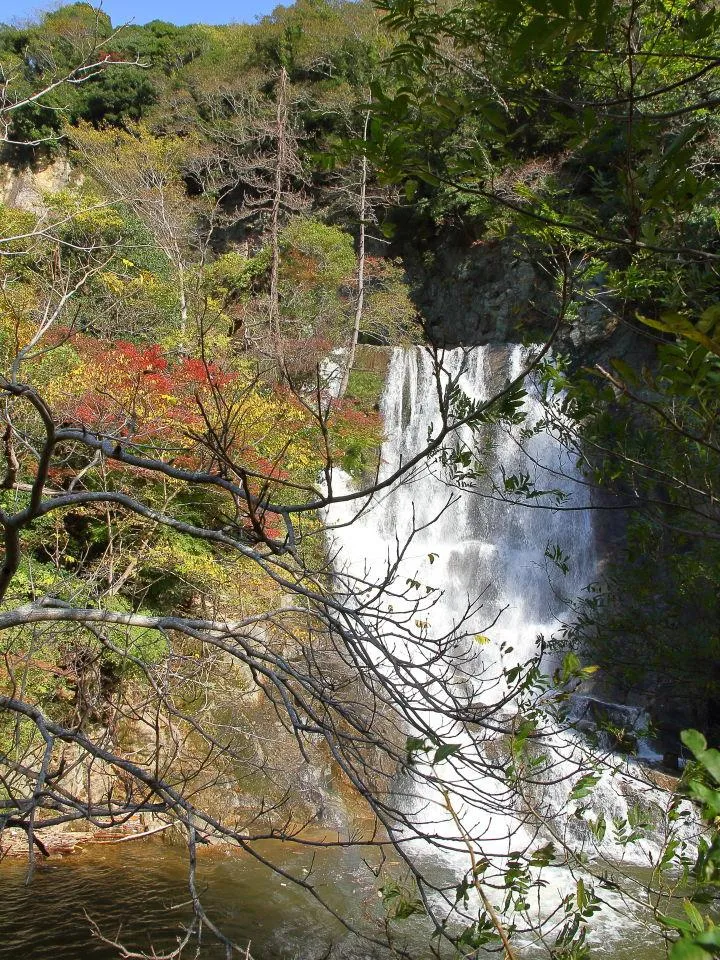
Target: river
[[138, 892]]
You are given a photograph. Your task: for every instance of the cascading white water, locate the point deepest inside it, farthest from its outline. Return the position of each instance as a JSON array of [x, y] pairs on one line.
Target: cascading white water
[[477, 545], [482, 544], [452, 543]]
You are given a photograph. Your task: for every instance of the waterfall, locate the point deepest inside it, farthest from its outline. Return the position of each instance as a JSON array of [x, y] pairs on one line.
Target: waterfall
[[482, 544], [477, 579]]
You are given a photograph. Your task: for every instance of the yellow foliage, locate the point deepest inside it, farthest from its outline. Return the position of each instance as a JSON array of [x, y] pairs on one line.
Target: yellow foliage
[[112, 281]]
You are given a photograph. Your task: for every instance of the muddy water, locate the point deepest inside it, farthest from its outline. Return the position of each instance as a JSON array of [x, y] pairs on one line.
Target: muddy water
[[137, 893]]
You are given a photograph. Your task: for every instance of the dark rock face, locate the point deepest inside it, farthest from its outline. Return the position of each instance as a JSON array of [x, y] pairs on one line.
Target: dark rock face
[[484, 293], [489, 291]]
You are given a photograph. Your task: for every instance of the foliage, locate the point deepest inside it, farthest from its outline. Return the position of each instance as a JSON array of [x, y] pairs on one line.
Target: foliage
[[650, 436], [316, 268], [508, 116], [699, 936]]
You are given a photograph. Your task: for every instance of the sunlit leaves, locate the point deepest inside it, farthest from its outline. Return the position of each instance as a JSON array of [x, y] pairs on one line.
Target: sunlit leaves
[[400, 900], [584, 787], [702, 331]]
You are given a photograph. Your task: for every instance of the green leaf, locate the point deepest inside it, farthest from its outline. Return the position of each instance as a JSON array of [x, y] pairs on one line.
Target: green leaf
[[584, 787], [710, 759], [687, 950], [493, 115], [445, 751], [711, 798], [669, 853], [414, 745], [710, 938], [408, 908], [675, 923], [543, 856], [709, 319], [580, 896], [560, 7], [575, 33], [625, 370], [533, 33], [599, 828], [410, 190], [694, 741], [427, 177], [694, 915], [451, 105], [603, 10], [681, 326]]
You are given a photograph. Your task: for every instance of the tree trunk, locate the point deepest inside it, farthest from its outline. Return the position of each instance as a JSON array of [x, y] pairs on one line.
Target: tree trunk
[[183, 299], [280, 172], [360, 301]]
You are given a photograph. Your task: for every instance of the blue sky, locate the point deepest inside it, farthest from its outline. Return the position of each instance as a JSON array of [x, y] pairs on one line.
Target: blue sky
[[141, 11]]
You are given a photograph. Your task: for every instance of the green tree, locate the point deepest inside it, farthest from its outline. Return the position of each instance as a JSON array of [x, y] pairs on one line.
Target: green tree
[[65, 67]]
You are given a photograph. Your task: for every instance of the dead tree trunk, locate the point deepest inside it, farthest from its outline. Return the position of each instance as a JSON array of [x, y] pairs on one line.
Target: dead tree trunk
[[360, 299], [281, 169]]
